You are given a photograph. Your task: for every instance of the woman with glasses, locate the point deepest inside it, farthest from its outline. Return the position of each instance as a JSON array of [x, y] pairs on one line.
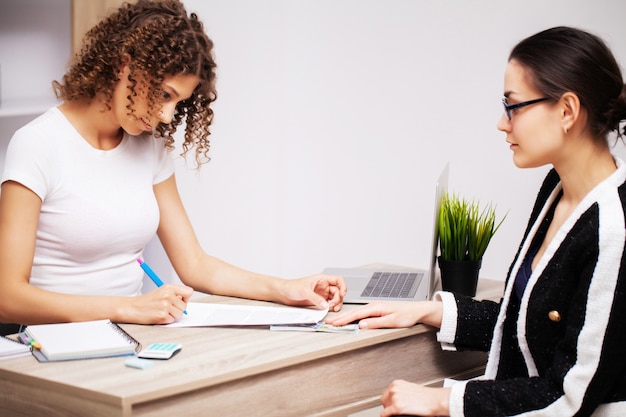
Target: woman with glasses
[[89, 183], [556, 340]]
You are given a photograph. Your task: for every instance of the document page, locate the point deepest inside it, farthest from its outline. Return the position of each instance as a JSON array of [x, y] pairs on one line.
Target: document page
[[211, 314]]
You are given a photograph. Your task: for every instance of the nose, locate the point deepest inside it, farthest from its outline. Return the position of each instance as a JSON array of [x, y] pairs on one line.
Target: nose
[[504, 124], [167, 112]]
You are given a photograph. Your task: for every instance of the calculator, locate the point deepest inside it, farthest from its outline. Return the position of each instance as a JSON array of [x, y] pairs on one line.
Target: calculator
[[160, 351]]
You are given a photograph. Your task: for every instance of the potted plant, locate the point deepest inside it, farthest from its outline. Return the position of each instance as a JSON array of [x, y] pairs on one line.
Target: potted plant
[[465, 231]]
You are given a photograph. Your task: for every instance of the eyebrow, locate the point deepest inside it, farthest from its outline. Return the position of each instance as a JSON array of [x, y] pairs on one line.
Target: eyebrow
[[173, 90]]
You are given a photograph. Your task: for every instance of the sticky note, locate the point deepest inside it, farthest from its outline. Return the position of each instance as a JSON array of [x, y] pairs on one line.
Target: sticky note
[[138, 363]]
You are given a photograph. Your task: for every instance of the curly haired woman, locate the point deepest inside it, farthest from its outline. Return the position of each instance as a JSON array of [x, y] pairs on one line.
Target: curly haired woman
[[87, 184]]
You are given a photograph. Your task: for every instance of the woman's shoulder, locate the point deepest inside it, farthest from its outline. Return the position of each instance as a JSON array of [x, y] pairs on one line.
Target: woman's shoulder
[[51, 116], [49, 124]]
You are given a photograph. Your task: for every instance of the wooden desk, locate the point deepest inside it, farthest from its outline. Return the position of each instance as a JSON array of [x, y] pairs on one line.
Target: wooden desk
[[238, 372]]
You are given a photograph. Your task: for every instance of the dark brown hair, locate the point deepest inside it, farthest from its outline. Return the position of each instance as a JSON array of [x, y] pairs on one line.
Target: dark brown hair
[[563, 59], [161, 41]]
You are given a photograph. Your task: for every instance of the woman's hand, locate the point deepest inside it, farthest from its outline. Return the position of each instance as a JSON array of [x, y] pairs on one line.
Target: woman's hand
[[406, 398], [162, 306], [318, 290], [390, 314]]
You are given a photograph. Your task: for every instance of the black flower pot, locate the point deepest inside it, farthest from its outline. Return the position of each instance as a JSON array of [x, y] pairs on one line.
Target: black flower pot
[[459, 277]]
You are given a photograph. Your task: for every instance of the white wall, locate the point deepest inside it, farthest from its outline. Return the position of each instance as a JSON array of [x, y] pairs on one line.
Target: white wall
[[34, 48], [35, 38], [334, 118]]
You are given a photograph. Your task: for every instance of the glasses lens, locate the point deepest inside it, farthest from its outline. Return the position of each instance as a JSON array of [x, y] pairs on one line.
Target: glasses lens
[[506, 109]]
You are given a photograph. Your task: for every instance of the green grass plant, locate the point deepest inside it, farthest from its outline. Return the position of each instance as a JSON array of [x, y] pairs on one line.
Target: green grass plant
[[465, 229]]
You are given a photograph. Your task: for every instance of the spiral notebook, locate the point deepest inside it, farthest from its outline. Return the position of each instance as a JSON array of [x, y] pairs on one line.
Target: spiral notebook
[[9, 348], [79, 340]]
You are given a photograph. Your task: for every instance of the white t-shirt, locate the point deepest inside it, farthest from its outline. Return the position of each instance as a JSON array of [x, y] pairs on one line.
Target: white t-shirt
[[98, 207]]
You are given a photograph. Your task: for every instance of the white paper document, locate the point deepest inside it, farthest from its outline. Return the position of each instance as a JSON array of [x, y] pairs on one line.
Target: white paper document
[[211, 314], [316, 327]]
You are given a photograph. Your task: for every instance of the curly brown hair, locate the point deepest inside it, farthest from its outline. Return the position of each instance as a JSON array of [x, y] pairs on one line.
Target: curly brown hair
[[161, 41]]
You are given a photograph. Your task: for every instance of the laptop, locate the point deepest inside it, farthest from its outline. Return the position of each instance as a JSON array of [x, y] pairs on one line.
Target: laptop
[[396, 284]]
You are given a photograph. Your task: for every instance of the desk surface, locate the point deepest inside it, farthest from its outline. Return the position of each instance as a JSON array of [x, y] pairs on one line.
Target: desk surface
[[238, 371]]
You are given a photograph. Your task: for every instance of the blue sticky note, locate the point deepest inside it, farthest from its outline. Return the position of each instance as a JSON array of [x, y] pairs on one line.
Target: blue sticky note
[[138, 363]]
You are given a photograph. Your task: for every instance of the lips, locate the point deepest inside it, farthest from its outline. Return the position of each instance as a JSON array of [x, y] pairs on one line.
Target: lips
[[146, 126]]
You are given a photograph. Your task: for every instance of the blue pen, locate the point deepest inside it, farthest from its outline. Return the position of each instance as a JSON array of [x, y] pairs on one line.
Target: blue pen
[[153, 276]]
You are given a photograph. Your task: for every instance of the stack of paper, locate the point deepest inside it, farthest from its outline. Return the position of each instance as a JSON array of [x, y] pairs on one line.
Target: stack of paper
[[212, 314], [316, 327]]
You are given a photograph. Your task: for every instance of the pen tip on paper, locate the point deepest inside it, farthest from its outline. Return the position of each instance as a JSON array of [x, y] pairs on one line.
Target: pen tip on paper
[[140, 261]]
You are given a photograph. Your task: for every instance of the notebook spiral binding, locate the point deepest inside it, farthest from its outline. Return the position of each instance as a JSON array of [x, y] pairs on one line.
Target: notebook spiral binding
[[124, 333]]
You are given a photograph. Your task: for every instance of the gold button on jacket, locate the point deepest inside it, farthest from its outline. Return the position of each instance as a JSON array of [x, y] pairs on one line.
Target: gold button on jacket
[[554, 316]]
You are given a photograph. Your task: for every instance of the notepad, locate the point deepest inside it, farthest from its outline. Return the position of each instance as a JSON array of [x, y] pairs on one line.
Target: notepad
[[9, 348], [80, 340]]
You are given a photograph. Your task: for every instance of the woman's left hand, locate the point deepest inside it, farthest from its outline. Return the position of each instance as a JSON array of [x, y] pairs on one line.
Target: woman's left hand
[[402, 397], [318, 290]]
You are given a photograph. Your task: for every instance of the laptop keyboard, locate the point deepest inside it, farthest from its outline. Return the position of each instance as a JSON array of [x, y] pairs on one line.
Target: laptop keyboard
[[391, 285]]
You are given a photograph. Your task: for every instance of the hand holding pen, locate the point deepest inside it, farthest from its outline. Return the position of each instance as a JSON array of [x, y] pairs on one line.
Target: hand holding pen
[[152, 275]]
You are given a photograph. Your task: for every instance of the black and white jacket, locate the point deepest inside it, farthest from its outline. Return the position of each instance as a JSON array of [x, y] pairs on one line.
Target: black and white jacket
[[560, 350]]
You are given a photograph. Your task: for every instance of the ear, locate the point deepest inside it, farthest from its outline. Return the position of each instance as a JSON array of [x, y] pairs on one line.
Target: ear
[[570, 110], [124, 66]]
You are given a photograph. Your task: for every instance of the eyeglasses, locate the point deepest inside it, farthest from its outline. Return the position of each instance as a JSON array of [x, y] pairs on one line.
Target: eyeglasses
[[508, 108]]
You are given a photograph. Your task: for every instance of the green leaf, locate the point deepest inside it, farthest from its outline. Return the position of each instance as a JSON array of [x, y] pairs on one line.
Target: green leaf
[[464, 229]]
